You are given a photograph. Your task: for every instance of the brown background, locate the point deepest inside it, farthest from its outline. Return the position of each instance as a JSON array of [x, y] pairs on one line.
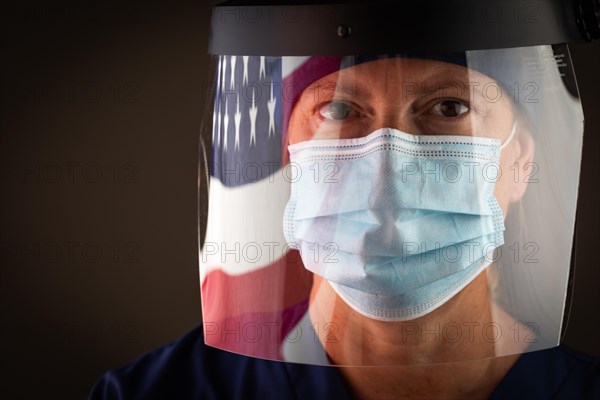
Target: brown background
[[101, 108]]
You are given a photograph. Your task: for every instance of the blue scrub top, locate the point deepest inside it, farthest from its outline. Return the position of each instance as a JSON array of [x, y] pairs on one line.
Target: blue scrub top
[[188, 369]]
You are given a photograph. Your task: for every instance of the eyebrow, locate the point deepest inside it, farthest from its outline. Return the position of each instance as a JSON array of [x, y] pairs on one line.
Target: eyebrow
[[336, 87], [354, 90]]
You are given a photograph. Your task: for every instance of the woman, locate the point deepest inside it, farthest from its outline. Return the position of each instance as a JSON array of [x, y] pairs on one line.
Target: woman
[[443, 109], [392, 224], [398, 174]]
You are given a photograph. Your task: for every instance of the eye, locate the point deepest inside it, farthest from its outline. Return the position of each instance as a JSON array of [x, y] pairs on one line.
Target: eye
[[449, 108], [337, 111]]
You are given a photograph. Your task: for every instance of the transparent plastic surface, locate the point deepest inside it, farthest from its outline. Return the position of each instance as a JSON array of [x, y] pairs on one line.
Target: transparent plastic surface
[[401, 209]]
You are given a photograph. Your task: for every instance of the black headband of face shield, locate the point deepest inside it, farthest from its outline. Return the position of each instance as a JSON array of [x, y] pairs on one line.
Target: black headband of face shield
[[281, 28]]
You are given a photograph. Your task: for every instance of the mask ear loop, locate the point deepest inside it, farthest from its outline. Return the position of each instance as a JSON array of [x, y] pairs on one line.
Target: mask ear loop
[[510, 136]]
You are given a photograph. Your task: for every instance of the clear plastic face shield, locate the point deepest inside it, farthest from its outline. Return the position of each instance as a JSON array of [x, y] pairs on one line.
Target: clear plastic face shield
[[418, 202]]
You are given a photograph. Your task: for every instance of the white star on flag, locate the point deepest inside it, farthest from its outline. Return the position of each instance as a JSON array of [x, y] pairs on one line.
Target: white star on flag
[[237, 120], [245, 79], [232, 81], [225, 126], [261, 72], [271, 106], [217, 114], [253, 111]]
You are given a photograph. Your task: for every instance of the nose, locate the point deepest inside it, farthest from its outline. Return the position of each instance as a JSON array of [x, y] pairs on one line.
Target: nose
[[397, 118]]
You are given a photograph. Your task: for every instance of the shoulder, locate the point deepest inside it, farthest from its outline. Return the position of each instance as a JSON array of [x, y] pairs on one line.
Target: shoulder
[[188, 369], [558, 372]]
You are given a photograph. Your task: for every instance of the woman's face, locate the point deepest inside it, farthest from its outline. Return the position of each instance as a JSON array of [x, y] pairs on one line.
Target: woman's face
[[421, 97]]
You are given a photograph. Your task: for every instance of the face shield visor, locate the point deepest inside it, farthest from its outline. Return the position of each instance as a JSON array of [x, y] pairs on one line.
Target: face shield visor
[[420, 199]]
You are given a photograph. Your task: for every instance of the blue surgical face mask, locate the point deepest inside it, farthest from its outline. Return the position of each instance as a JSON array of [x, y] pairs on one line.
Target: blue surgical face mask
[[397, 223]]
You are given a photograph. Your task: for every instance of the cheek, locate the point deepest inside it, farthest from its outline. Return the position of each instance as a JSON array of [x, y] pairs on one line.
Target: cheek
[[504, 184], [299, 128], [291, 131]]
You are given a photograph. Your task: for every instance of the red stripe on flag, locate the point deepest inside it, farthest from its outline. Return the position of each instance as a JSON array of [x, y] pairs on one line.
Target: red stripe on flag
[[273, 288], [252, 313], [255, 334]]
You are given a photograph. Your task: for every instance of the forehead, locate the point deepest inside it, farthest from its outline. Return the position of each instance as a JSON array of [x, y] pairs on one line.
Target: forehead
[[393, 74]]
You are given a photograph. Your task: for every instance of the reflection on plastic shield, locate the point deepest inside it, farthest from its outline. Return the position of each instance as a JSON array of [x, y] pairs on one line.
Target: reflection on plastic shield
[[269, 289]]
